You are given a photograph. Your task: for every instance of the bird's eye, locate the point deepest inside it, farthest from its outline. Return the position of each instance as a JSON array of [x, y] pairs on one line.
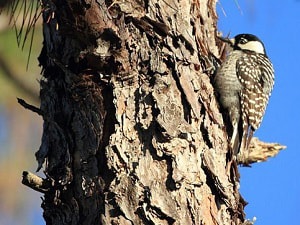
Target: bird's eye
[[243, 41]]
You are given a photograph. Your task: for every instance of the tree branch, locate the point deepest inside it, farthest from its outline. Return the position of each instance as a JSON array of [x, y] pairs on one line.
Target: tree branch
[[30, 107], [259, 152], [35, 182]]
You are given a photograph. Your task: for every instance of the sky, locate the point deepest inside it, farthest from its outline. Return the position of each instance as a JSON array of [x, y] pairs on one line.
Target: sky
[[272, 188]]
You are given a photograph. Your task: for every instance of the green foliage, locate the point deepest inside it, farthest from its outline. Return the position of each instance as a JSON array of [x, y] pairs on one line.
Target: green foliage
[[17, 60]]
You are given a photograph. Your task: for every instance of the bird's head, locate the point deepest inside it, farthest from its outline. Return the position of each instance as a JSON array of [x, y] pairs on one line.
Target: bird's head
[[248, 42]]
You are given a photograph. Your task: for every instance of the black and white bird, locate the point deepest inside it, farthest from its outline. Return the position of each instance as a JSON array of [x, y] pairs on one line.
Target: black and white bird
[[244, 83]]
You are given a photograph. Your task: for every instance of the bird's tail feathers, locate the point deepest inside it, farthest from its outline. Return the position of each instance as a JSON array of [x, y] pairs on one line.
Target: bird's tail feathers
[[248, 132], [235, 140]]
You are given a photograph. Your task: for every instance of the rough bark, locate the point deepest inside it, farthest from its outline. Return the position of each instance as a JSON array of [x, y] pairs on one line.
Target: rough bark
[[132, 130]]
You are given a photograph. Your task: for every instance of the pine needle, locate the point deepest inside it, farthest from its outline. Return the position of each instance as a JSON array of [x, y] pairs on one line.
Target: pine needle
[[238, 6], [222, 8], [24, 15]]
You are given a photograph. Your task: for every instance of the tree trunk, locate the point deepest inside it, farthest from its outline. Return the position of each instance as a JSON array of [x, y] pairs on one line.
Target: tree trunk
[[132, 131]]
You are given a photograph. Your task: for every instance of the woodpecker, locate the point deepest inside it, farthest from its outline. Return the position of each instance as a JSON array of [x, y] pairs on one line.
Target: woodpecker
[[244, 83]]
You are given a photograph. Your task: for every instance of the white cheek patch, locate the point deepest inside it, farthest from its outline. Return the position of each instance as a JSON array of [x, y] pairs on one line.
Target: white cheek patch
[[255, 46]]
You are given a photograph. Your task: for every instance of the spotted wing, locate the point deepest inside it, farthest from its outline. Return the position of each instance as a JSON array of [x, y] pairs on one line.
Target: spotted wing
[[255, 72]]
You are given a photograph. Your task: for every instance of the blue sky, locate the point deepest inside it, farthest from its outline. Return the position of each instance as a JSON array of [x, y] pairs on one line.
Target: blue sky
[[272, 188]]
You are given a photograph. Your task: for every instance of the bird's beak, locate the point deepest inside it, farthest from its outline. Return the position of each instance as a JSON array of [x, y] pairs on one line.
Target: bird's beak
[[230, 41]]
